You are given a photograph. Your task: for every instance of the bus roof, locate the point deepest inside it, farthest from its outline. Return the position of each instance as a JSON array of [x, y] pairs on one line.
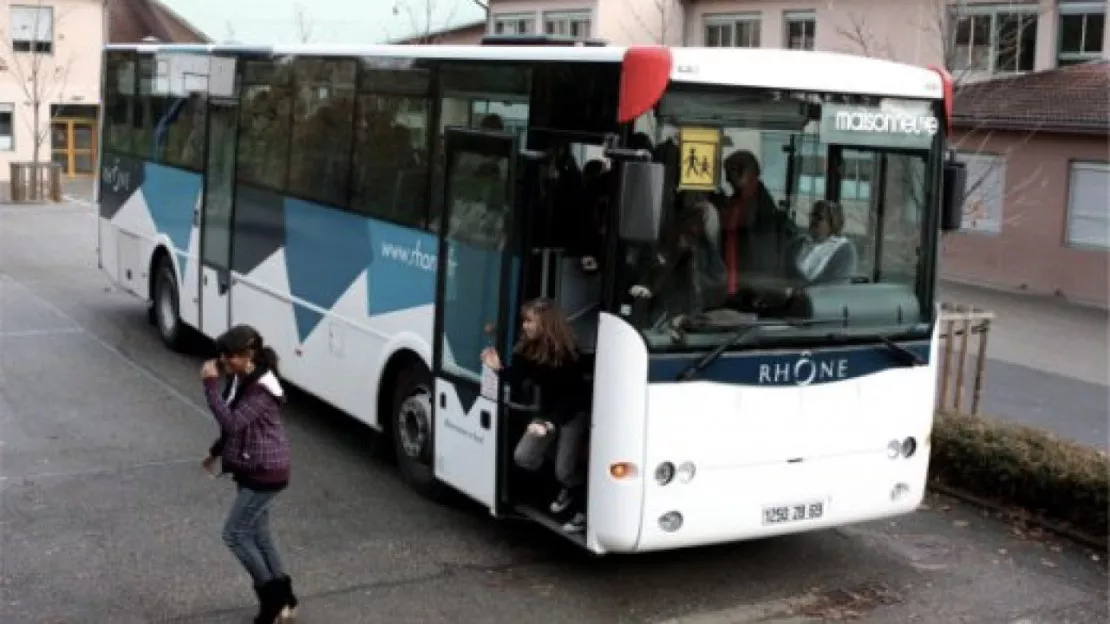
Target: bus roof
[[804, 70]]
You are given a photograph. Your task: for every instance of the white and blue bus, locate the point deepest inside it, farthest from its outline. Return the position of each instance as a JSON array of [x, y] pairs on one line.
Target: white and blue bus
[[380, 213]]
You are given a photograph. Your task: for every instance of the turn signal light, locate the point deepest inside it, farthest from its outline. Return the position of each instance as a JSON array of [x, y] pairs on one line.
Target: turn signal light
[[622, 470]]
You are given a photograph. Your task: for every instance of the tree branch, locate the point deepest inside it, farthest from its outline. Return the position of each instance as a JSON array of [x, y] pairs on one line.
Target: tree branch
[[661, 12], [41, 77], [303, 23]]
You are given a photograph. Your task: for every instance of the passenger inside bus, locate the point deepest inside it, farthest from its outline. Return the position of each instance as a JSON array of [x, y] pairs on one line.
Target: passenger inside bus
[[686, 270], [546, 372], [825, 255], [755, 234]]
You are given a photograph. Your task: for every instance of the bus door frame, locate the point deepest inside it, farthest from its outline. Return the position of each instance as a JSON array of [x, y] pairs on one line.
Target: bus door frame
[[214, 275], [479, 427]]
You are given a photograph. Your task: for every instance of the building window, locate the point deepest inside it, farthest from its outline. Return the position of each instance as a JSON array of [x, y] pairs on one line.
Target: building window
[[516, 24], [801, 29], [7, 131], [576, 25], [993, 39], [985, 192], [1081, 29], [32, 29], [323, 114], [732, 31], [1089, 205]]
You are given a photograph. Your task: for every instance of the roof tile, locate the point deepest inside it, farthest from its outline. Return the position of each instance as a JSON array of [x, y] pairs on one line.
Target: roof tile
[[1075, 98]]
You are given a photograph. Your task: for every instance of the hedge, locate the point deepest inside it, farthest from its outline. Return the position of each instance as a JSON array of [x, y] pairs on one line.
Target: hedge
[[1017, 466]]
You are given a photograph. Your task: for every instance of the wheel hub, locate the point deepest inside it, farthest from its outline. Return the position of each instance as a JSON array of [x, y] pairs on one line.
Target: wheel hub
[[414, 423]]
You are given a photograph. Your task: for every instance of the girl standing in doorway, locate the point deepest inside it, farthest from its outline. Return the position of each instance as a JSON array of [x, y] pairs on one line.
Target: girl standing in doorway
[[546, 356]]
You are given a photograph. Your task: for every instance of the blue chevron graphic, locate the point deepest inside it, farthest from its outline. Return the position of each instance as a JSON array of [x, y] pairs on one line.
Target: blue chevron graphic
[[172, 195], [325, 251]]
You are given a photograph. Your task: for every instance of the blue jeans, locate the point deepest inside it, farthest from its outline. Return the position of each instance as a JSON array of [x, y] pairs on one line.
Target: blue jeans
[[247, 534]]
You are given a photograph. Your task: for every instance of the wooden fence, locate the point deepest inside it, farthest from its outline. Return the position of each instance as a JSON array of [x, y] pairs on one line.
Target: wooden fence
[[35, 182], [959, 323]]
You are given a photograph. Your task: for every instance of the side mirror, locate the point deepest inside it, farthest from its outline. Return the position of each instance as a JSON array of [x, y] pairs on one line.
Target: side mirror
[[952, 195], [640, 204]]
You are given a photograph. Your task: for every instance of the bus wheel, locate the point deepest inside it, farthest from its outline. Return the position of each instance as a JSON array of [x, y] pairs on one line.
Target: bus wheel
[[167, 307], [412, 426]]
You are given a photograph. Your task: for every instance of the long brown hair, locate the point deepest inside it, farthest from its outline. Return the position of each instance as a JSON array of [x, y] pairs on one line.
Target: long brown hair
[[555, 344]]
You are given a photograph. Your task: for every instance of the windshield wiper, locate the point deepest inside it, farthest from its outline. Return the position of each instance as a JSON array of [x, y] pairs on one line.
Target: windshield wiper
[[902, 354], [740, 337]]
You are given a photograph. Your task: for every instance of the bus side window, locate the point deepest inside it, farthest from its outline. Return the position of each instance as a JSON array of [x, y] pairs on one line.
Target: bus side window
[[468, 95], [322, 115], [264, 123], [389, 171]]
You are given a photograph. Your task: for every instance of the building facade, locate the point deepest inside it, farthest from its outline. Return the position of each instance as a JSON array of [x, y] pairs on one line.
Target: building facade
[[1037, 214], [50, 82], [50, 63], [976, 39]]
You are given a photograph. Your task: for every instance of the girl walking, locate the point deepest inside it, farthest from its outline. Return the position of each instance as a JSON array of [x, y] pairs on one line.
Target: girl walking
[[253, 448]]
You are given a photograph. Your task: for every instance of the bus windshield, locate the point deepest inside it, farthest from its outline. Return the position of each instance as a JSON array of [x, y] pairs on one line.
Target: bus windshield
[[785, 205]]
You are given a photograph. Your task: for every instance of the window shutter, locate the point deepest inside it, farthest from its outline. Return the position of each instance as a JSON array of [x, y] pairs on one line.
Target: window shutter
[[1089, 205]]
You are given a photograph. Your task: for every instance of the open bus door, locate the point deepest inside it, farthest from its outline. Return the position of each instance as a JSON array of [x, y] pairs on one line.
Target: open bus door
[[476, 307]]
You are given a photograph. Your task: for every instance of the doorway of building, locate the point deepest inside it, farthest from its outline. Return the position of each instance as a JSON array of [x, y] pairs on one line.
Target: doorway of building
[[73, 140]]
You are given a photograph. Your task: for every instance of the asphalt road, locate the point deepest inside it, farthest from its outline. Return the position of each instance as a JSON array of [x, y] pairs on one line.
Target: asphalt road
[[105, 516]]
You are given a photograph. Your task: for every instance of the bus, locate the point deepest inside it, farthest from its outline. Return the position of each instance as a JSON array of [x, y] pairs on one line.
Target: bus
[[380, 213]]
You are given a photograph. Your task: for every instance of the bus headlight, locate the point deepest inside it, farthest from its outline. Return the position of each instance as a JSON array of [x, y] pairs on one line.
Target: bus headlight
[[909, 447], [686, 472], [894, 449], [664, 472], [670, 521]]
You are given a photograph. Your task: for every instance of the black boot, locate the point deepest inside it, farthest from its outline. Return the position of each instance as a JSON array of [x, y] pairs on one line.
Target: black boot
[[272, 603], [288, 598]]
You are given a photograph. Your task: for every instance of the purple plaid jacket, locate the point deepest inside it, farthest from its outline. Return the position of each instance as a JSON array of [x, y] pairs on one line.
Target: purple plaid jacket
[[254, 447]]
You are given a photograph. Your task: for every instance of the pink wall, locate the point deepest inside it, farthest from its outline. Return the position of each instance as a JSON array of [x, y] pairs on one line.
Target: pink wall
[[1031, 252], [78, 40], [899, 30], [462, 36], [908, 32], [626, 22]]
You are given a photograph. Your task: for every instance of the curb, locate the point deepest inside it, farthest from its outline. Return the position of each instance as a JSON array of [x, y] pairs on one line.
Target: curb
[[1056, 528]]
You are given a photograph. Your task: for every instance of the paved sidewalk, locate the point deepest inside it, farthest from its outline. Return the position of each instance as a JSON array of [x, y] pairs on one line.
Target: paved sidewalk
[[1046, 334], [1048, 362]]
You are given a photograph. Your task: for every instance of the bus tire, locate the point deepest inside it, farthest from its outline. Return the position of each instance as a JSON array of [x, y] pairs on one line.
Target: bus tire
[[166, 306], [413, 431]]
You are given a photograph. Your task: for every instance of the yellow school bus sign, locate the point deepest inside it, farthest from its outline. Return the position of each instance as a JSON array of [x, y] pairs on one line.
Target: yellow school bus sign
[[698, 168]]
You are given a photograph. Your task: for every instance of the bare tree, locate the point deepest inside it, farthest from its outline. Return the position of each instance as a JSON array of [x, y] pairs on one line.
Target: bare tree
[[427, 17], [945, 25], [229, 33], [40, 73], [304, 24], [657, 21]]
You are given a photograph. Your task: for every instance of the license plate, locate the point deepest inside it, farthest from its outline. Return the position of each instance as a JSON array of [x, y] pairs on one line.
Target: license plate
[[780, 514]]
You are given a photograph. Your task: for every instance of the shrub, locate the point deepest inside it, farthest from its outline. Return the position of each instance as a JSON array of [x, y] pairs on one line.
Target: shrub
[[1014, 465]]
